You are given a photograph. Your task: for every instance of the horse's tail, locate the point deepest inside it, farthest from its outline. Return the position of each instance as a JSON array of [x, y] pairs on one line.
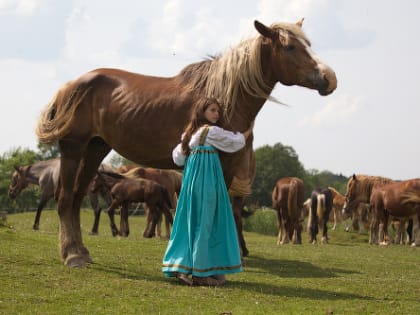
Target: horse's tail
[[320, 206], [293, 197], [56, 119], [274, 197]]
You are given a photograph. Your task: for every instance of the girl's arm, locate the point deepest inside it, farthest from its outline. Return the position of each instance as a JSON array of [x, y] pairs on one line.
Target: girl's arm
[[248, 132]]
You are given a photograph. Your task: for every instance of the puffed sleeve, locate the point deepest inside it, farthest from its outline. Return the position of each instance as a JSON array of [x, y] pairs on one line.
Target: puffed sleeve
[[178, 156], [225, 140]]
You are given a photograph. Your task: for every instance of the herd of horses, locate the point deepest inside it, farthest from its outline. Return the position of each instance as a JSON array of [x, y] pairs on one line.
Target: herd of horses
[[156, 189], [369, 200]]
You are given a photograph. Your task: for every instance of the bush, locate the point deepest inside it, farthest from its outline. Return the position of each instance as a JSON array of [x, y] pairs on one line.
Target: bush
[[263, 221]]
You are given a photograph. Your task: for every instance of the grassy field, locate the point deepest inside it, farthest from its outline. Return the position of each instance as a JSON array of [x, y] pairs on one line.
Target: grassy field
[[347, 276]]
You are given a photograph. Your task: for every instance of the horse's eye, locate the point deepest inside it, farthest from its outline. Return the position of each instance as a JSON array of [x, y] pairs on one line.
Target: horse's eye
[[289, 48]]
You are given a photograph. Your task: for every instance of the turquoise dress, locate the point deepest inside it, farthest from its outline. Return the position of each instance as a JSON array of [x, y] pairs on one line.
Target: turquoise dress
[[204, 240]]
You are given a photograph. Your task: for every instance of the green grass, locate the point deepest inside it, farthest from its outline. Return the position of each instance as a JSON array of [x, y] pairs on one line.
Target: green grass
[[347, 276]]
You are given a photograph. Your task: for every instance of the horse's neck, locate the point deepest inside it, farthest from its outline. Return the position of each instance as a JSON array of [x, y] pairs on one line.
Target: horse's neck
[[33, 175], [110, 181]]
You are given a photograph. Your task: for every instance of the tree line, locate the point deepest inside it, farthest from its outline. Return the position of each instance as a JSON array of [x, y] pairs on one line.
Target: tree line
[[272, 163]]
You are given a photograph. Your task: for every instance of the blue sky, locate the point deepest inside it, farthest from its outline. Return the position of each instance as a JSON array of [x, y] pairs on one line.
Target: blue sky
[[368, 125]]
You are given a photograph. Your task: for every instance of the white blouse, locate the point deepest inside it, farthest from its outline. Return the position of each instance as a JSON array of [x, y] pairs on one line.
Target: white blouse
[[222, 139]]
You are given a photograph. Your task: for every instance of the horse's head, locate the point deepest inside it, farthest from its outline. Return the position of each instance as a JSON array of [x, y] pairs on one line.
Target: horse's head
[[291, 60], [351, 199], [18, 182], [96, 183]]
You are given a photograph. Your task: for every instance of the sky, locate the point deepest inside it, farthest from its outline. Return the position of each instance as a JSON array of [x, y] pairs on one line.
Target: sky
[[369, 125]]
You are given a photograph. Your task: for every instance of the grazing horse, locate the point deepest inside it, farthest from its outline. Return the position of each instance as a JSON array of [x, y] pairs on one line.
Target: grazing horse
[[170, 179], [142, 117], [359, 191], [45, 174], [125, 190], [359, 216], [321, 205], [398, 199], [287, 197]]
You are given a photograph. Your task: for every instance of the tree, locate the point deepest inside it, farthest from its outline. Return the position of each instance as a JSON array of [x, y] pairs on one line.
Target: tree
[[48, 151]]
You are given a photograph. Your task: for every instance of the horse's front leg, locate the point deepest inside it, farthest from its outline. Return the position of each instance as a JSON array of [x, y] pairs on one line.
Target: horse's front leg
[[237, 205], [41, 206], [111, 212], [124, 227]]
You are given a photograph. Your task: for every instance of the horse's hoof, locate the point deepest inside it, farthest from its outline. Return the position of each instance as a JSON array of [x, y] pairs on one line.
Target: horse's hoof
[[77, 261], [383, 243], [35, 227]]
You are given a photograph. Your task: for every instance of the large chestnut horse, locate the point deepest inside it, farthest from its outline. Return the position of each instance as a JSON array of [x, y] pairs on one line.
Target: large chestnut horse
[[142, 117], [287, 200]]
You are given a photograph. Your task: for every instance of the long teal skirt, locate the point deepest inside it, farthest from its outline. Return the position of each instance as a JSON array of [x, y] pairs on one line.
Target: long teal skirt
[[204, 240]]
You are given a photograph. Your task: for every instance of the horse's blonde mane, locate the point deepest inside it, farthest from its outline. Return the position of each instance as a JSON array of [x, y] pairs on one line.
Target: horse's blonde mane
[[237, 69]]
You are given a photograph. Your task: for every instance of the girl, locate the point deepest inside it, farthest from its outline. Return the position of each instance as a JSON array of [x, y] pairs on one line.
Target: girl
[[204, 240]]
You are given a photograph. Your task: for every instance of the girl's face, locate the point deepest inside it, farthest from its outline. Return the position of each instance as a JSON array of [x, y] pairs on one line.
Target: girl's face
[[212, 113]]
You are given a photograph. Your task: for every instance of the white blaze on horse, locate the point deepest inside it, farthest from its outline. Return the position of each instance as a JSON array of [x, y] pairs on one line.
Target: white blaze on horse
[[142, 117]]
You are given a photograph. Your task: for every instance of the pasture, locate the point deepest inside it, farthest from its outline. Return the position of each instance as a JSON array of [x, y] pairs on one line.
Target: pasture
[[347, 276]]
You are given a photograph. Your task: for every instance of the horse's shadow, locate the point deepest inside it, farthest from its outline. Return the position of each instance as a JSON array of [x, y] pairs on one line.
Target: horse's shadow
[[290, 268]]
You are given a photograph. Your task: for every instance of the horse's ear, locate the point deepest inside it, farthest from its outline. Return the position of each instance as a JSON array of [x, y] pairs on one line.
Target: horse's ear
[[354, 176], [265, 30], [300, 22]]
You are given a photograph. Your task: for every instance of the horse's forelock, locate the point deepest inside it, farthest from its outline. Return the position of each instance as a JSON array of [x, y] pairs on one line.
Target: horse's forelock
[[293, 28]]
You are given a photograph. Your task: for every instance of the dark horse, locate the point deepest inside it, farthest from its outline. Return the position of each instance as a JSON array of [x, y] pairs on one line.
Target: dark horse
[[142, 117], [321, 205], [125, 190], [45, 174], [287, 198], [170, 179]]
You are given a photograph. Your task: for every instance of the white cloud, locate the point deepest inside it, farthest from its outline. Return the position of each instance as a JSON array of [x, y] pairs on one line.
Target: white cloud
[[338, 110], [20, 7]]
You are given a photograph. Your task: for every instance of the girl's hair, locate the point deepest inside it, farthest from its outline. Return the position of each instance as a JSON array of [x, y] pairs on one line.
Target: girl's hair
[[198, 119]]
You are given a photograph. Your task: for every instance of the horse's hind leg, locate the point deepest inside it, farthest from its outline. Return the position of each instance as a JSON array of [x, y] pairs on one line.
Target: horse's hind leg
[[78, 166], [73, 252]]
